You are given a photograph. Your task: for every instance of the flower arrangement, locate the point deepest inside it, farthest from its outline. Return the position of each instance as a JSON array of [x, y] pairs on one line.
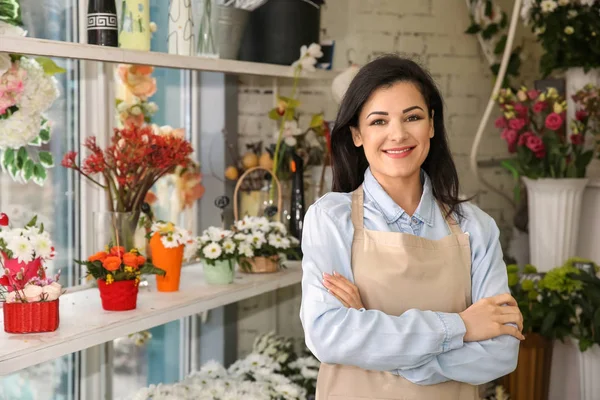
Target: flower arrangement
[[586, 324], [533, 125], [131, 164], [266, 238], [489, 23], [587, 102], [136, 86], [216, 244], [170, 235], [116, 264], [567, 30]]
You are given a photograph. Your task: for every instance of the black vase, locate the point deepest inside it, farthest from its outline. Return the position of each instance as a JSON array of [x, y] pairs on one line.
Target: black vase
[[278, 29], [297, 201], [102, 25]]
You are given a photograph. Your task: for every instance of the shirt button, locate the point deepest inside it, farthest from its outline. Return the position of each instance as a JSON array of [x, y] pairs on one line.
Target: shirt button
[[415, 221]]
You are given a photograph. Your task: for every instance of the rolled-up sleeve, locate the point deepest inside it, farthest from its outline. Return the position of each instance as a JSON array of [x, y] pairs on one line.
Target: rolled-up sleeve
[[369, 339], [476, 362]]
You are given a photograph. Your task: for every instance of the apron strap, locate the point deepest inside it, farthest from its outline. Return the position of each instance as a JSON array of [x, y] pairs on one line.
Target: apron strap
[[451, 222], [358, 210]]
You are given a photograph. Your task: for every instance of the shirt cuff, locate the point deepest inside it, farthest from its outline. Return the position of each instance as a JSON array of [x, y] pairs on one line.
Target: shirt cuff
[[454, 330]]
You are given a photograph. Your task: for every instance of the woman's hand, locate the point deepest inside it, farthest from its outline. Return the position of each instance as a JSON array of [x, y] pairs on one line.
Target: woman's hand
[[486, 319], [344, 290]]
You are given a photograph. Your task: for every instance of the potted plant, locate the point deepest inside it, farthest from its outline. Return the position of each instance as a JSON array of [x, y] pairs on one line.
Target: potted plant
[[269, 244], [167, 244], [220, 251], [118, 272], [552, 165], [31, 299]]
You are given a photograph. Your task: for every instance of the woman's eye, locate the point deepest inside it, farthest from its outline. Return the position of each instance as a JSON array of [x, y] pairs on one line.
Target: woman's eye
[[413, 118], [378, 122]]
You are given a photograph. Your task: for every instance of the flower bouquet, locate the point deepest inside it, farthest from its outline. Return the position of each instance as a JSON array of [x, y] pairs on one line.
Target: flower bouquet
[[533, 125], [118, 272], [129, 166], [167, 244], [269, 242], [219, 250], [31, 299]]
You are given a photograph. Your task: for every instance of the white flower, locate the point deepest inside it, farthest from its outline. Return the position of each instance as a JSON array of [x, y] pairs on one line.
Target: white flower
[[262, 224], [212, 251], [276, 241], [21, 249], [480, 17], [135, 110], [5, 63], [239, 236], [280, 227], [314, 50], [308, 57], [289, 133], [548, 6], [42, 246], [152, 107], [572, 14], [563, 2], [7, 29], [32, 293], [246, 250], [122, 107], [52, 291], [229, 246], [11, 297], [257, 239], [587, 2], [526, 11]]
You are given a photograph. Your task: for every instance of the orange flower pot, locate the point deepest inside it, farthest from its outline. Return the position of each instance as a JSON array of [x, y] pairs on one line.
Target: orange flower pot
[[169, 260]]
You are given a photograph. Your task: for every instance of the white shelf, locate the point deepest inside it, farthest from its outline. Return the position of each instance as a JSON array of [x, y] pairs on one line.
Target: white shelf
[[83, 322], [53, 48]]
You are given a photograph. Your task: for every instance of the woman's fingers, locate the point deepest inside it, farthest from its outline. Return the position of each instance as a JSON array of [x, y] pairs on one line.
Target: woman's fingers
[[511, 319], [512, 331], [340, 282], [504, 298], [337, 291]]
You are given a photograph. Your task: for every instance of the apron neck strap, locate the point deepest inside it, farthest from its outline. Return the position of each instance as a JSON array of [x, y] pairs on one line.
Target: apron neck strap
[[451, 222], [358, 210]]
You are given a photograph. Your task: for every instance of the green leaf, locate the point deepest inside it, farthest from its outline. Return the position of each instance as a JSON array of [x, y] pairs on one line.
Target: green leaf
[[22, 156], [273, 114], [46, 159], [10, 11], [316, 121], [499, 49], [45, 133], [490, 31], [28, 170], [32, 222], [473, 29], [504, 21], [489, 8], [37, 141], [150, 269], [39, 174], [597, 318], [548, 324], [49, 66], [8, 158]]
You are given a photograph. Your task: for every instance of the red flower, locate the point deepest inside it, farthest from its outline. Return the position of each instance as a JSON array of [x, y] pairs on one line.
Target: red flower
[[554, 121], [69, 160], [500, 123], [516, 124], [523, 138], [533, 94], [536, 145], [521, 110], [540, 106], [94, 164], [577, 139], [581, 115], [510, 136]]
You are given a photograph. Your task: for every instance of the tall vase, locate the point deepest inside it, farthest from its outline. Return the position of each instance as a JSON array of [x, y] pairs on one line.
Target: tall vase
[[169, 260], [102, 27], [554, 213], [589, 371], [589, 230], [114, 229], [135, 25], [230, 25], [207, 44], [182, 34]]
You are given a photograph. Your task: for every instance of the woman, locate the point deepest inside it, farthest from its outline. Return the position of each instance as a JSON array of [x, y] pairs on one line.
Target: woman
[[404, 290]]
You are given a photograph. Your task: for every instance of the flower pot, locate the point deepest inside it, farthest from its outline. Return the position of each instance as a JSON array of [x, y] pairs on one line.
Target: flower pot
[[531, 379], [554, 213], [219, 274], [589, 371], [30, 270], [42, 316], [261, 265], [589, 228], [169, 260], [230, 25], [119, 295]]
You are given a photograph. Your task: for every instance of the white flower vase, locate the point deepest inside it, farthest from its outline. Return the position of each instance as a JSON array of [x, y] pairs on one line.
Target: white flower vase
[[182, 34], [589, 229], [554, 213], [589, 371]]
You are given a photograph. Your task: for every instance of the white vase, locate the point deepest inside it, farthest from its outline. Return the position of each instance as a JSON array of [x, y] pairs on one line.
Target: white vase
[[589, 372], [554, 213], [589, 229], [182, 34]]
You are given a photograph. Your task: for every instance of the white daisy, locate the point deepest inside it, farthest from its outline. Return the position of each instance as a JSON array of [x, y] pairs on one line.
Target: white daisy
[[42, 246], [212, 251], [229, 246], [21, 249], [246, 250]]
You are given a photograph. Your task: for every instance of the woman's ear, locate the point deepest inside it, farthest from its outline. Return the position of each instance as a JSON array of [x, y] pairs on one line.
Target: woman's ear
[[356, 136]]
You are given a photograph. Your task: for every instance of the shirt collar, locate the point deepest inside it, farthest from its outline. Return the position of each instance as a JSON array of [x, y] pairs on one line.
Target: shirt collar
[[392, 211]]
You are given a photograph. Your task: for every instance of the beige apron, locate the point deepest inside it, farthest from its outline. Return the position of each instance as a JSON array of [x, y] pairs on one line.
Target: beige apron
[[396, 272]]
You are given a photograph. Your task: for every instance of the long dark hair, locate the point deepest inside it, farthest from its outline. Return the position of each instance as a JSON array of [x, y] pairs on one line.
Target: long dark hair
[[349, 162]]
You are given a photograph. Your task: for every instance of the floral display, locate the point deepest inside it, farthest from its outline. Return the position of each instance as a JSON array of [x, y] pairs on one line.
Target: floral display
[[170, 235], [567, 30], [116, 264], [533, 125], [24, 253], [131, 164], [587, 102], [216, 244]]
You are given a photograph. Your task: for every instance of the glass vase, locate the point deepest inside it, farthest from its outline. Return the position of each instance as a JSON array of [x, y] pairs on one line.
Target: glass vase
[[114, 229], [206, 36]]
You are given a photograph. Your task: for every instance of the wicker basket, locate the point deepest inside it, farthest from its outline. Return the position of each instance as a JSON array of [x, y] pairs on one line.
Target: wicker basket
[[258, 265], [41, 316]]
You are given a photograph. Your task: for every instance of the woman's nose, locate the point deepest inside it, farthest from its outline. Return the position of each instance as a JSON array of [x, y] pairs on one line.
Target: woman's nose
[[397, 131]]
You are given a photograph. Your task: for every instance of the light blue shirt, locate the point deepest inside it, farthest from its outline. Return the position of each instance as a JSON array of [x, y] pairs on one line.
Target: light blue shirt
[[423, 346]]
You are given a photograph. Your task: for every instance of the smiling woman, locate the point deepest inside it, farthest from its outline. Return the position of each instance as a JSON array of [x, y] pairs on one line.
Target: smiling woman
[[404, 290]]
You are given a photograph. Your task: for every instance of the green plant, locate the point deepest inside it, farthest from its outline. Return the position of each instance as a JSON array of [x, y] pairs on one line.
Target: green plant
[[586, 327]]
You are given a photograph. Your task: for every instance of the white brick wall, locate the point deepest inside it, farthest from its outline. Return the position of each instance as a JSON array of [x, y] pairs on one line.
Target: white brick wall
[[431, 31]]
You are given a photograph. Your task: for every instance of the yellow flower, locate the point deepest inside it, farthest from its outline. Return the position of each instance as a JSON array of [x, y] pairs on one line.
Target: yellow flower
[[552, 93], [129, 269], [522, 95], [558, 108], [569, 30], [134, 250], [109, 279], [509, 115], [167, 228], [542, 97]]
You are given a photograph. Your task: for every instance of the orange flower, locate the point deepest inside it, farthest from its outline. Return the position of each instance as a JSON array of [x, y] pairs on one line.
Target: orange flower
[[117, 251], [141, 260], [99, 256], [130, 260], [150, 198], [141, 69], [112, 263]]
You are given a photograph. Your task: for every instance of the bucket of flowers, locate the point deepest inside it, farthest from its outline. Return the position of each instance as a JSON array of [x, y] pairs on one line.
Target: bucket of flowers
[[167, 245], [118, 272], [31, 302]]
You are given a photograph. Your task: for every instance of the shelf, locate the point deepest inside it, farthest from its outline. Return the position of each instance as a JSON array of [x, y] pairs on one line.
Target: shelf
[[83, 322], [53, 48]]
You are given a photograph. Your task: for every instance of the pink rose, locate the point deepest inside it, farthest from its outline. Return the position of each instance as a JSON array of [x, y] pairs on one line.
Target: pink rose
[[510, 136], [554, 121], [540, 106], [533, 94], [579, 115], [33, 293], [516, 124], [521, 110], [577, 139], [52, 291], [536, 145], [523, 138], [500, 122]]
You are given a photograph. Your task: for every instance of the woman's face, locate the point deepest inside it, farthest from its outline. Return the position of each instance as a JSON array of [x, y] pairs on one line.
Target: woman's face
[[395, 128]]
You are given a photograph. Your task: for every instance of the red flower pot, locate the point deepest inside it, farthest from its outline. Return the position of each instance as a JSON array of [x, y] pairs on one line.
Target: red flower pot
[[118, 296], [36, 317]]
